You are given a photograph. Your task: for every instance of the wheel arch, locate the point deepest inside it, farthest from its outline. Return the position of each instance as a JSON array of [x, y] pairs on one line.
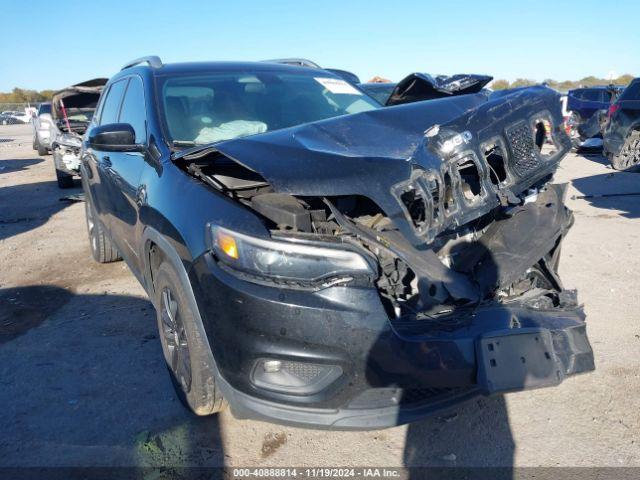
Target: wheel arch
[[156, 249]]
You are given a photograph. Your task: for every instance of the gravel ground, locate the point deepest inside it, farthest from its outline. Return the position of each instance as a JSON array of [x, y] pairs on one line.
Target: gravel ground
[[82, 379]]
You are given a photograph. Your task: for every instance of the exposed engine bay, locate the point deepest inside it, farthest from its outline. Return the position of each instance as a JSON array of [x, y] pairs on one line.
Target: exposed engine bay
[[72, 111], [452, 199]]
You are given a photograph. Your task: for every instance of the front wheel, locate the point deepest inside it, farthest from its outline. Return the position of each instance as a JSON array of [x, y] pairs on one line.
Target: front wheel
[[185, 347], [629, 156], [42, 151]]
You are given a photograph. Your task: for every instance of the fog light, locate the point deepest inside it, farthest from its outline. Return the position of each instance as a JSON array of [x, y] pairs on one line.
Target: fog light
[[272, 366], [297, 378]]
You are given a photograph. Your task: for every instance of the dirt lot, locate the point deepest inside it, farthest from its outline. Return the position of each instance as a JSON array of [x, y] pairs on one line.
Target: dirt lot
[[82, 379]]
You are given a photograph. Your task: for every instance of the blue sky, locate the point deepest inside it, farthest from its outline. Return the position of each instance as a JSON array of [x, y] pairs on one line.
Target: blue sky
[[49, 44]]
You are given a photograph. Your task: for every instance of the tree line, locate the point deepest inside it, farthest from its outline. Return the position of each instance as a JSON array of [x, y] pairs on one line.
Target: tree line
[[562, 86], [21, 95]]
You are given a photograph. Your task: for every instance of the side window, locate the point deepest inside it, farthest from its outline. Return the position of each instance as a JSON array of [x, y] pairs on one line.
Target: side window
[[592, 95], [133, 109], [111, 104]]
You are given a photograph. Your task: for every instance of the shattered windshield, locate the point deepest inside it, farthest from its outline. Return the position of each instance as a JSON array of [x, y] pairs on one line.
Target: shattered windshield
[[214, 107]]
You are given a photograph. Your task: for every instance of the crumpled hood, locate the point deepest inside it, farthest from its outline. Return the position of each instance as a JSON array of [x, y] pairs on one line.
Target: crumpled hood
[[351, 154], [422, 86], [370, 153]]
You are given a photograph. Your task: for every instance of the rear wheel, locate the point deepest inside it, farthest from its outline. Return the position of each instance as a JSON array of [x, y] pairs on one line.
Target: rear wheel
[[102, 249], [629, 156], [184, 345]]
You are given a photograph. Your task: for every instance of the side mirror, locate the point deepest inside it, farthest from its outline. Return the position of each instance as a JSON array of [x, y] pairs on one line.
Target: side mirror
[[114, 137]]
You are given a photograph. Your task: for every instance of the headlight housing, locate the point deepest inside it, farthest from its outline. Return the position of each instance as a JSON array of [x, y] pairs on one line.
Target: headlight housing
[[286, 260]]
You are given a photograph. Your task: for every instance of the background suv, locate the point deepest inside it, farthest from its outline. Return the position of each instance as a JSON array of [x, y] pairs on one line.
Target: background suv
[[622, 130]]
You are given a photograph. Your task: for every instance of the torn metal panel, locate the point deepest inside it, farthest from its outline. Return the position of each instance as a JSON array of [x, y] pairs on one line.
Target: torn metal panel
[[422, 86]]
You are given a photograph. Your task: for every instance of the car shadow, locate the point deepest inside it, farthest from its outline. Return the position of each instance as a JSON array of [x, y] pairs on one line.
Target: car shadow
[[594, 156], [458, 437], [9, 166], [84, 384], [616, 183], [30, 205], [476, 435]]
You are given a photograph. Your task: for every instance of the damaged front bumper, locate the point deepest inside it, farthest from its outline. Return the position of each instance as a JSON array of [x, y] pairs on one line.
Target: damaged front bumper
[[66, 153], [344, 364]]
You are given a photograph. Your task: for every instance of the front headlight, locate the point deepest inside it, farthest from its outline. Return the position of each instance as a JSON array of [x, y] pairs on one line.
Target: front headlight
[[285, 260]]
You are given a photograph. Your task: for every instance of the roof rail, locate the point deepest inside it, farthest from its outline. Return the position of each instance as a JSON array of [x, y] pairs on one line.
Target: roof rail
[[299, 62], [153, 61]]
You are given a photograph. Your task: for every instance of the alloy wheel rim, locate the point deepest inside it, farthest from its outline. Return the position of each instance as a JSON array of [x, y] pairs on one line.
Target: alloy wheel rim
[[175, 339], [632, 154]]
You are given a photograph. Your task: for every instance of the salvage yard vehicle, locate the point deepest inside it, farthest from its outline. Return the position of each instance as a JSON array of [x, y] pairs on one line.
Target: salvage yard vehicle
[[588, 107], [71, 111], [14, 117], [622, 130], [42, 123], [318, 260]]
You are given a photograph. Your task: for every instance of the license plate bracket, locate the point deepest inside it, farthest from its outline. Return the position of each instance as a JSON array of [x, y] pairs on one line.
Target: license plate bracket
[[515, 360]]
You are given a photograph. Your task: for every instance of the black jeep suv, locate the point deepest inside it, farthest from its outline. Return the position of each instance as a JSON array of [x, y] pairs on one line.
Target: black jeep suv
[[315, 259]]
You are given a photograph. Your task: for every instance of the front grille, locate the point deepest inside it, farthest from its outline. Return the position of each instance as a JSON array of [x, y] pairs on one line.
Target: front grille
[[407, 397], [523, 149], [411, 396], [304, 371]]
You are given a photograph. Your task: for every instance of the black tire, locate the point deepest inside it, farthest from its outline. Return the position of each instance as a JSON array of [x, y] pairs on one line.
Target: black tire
[[185, 346], [629, 157], [35, 143], [42, 151], [64, 179], [102, 249]]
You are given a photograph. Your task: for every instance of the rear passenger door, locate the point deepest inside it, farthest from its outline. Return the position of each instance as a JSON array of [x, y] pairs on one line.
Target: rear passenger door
[[125, 172]]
